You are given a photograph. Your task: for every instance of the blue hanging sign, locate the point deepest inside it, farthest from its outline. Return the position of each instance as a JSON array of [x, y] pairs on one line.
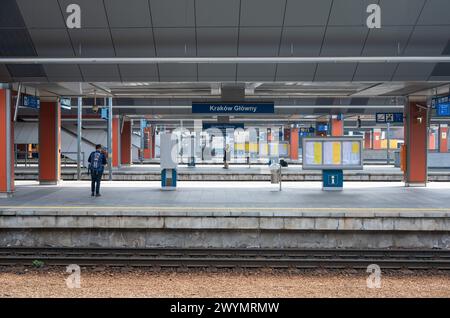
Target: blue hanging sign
[[389, 118], [233, 108], [31, 101], [66, 103]]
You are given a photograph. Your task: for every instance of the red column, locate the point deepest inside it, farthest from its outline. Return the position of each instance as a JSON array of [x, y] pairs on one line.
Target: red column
[[153, 142], [125, 144], [115, 141], [376, 142], [148, 143], [6, 145], [49, 143], [416, 144], [431, 141], [443, 134], [294, 144], [367, 140], [337, 127]]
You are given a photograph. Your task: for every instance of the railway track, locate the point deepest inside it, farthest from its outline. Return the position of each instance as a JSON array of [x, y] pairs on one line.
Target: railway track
[[229, 258]]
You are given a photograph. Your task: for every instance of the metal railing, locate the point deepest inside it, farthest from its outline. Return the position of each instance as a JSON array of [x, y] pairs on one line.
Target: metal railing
[[27, 159]]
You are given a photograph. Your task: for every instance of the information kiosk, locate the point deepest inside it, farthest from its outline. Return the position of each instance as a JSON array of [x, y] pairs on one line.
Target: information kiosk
[[332, 155], [169, 162]]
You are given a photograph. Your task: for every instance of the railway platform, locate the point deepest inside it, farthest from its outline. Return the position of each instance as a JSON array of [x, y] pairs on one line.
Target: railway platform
[[238, 172], [227, 215]]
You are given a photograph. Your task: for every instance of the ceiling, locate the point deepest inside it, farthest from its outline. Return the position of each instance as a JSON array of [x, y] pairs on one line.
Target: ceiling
[[221, 28]]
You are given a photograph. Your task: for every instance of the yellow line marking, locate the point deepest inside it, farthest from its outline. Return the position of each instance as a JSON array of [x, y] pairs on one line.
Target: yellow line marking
[[168, 208]]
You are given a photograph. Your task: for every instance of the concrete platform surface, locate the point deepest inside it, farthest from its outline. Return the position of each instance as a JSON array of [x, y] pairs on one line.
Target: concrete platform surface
[[248, 197]]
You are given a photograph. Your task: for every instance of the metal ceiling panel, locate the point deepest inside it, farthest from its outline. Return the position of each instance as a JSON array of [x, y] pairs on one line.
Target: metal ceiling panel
[[175, 42], [387, 41], [52, 42], [256, 72], [435, 12], [335, 72], [400, 12], [349, 12], [217, 41], [174, 13], [133, 42], [262, 13], [217, 13], [92, 42], [298, 72], [136, 72], [217, 71], [374, 72], [344, 41], [98, 73], [36, 14], [178, 72], [425, 41], [63, 73], [4, 74], [301, 41], [259, 41], [307, 13], [128, 14]]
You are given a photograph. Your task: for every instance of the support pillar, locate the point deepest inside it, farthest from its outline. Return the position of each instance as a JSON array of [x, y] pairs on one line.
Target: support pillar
[[376, 142], [294, 144], [416, 138], [125, 144], [337, 127], [148, 143], [443, 138], [6, 145], [115, 141], [367, 140], [49, 143]]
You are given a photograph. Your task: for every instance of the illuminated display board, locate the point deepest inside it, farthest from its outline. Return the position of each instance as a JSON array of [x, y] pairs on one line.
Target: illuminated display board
[[332, 153]]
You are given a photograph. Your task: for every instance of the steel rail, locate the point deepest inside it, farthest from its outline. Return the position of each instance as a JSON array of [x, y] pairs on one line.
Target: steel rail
[[245, 258]]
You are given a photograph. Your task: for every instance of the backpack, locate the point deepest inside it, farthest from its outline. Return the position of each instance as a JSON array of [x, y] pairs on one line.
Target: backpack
[[96, 162]]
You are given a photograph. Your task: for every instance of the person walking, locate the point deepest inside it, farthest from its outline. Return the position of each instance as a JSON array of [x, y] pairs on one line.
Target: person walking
[[97, 162]]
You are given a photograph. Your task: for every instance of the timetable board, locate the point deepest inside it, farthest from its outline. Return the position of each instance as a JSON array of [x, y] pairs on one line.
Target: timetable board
[[332, 153]]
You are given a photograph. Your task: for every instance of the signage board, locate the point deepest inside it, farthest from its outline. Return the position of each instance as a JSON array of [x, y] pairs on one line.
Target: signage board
[[320, 153], [104, 113], [31, 101], [443, 109], [223, 126], [389, 118], [66, 103], [233, 108]]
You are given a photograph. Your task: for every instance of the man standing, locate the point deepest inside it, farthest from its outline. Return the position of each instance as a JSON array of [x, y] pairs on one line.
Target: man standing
[[97, 161]]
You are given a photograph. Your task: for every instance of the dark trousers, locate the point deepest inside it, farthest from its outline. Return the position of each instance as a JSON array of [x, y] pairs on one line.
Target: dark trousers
[[96, 177]]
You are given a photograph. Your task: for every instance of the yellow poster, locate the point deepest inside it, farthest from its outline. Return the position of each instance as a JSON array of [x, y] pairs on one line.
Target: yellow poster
[[318, 153], [355, 147], [336, 153]]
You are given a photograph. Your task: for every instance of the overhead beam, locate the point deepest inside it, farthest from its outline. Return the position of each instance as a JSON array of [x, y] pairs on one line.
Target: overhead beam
[[225, 60]]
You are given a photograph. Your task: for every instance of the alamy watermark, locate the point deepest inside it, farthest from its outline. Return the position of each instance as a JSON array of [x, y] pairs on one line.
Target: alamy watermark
[[74, 279], [374, 279]]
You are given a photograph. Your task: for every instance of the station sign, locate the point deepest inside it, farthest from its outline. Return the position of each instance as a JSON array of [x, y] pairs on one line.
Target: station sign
[[104, 113], [66, 103], [31, 101], [389, 118], [233, 108]]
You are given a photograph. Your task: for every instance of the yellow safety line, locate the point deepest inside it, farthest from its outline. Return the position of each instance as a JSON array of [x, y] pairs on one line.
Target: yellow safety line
[[221, 208]]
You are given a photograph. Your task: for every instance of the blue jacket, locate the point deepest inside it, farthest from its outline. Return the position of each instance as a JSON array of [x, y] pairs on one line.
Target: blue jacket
[[102, 161]]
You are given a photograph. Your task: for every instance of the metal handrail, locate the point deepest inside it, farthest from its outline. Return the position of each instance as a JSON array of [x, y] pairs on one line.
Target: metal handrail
[[64, 157]]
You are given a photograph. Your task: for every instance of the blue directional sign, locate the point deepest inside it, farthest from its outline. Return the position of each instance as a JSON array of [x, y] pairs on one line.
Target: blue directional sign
[[443, 109], [389, 118], [31, 101], [233, 108]]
